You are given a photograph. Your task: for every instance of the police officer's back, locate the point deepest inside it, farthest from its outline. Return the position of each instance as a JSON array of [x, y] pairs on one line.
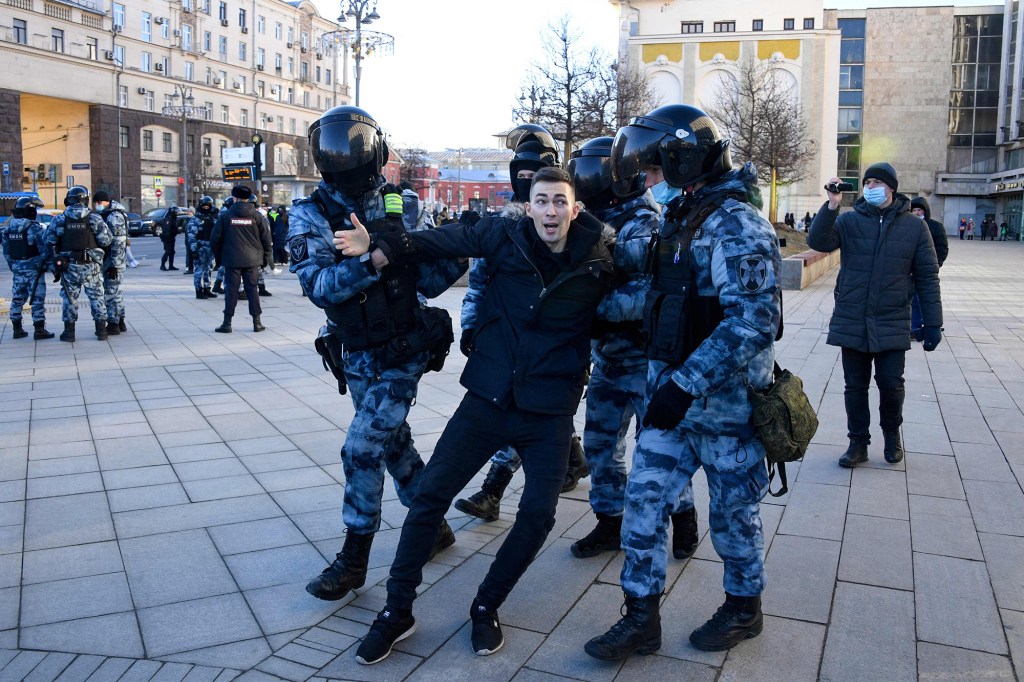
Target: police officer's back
[[241, 243]]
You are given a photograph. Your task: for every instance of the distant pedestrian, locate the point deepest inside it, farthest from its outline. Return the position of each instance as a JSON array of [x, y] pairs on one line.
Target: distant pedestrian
[[963, 227], [970, 229], [1002, 231], [807, 221], [984, 229]]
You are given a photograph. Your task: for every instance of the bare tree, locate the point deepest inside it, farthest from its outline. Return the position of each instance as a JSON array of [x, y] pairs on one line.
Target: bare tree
[[616, 95], [414, 166], [764, 118]]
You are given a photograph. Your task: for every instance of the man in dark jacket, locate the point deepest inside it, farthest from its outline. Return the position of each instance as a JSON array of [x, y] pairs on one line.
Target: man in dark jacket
[[524, 380], [168, 236], [241, 242], [886, 255], [919, 207]]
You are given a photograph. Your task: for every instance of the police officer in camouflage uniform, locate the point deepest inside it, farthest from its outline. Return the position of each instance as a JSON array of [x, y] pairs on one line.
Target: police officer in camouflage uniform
[[198, 233], [369, 314], [618, 378], [116, 217], [712, 316], [77, 239], [24, 246]]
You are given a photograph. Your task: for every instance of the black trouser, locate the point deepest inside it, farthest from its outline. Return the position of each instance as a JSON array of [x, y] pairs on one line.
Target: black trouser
[[476, 430], [889, 378], [249, 278], [168, 257]]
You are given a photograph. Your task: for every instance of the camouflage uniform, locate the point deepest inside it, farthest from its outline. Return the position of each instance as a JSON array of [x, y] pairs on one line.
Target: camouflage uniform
[[81, 273], [202, 262], [379, 437], [26, 271], [735, 257], [116, 218]]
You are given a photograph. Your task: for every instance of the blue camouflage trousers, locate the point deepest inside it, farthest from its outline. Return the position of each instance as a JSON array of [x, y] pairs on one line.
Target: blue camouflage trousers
[[616, 393], [80, 276], [664, 463], [201, 264], [24, 279], [379, 438], [113, 297]]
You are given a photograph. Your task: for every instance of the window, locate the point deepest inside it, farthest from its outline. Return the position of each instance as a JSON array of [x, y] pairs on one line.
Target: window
[[147, 27], [147, 140], [207, 147], [208, 114], [261, 88], [291, 66], [165, 30], [277, 61], [758, 25], [263, 120], [222, 46], [207, 41], [261, 24], [290, 96], [327, 76], [242, 52], [204, 5], [20, 31], [291, 34], [186, 38], [209, 76], [305, 99], [319, 74], [243, 118], [92, 44], [166, 63], [327, 105], [809, 24], [241, 17], [280, 123], [277, 30], [692, 27], [242, 84], [190, 144], [224, 113], [222, 12], [725, 27], [190, 71], [149, 101], [186, 5], [122, 96], [168, 101], [122, 136], [119, 55], [168, 148], [261, 56], [303, 71], [147, 62], [223, 77], [787, 24], [57, 39], [305, 41], [118, 15], [291, 126]]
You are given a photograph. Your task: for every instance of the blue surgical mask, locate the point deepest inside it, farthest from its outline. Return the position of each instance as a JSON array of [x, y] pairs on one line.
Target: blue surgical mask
[[875, 195], [664, 192]]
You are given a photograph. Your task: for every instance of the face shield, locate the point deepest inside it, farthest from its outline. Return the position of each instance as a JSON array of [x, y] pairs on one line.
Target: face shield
[[634, 149], [591, 174]]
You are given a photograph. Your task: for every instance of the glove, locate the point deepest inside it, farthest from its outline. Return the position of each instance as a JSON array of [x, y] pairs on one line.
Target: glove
[[392, 200], [396, 246], [111, 273], [466, 342], [668, 406], [932, 337]]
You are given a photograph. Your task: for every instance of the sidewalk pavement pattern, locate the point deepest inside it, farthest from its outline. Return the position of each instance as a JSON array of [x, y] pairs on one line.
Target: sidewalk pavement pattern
[[166, 495]]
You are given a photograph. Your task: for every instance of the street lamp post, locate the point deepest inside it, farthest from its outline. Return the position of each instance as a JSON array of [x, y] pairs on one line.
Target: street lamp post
[[363, 43], [185, 110]]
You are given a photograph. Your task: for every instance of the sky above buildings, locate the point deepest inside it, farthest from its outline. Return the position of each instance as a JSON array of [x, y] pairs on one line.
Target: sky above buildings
[[458, 64]]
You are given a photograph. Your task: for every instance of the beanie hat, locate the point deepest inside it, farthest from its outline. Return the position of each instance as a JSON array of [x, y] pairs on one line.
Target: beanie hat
[[241, 192], [884, 172], [100, 196], [921, 203]]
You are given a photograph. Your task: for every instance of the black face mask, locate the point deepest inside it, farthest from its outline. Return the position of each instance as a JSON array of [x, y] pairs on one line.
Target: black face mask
[[522, 186]]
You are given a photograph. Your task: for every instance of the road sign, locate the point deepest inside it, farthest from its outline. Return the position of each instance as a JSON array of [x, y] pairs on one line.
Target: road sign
[[159, 193], [158, 182], [7, 168]]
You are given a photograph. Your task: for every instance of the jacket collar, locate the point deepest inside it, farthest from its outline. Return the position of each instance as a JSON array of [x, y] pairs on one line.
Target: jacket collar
[[583, 238]]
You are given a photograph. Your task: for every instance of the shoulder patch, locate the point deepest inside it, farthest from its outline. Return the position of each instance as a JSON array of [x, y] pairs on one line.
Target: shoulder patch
[[297, 248], [753, 272]]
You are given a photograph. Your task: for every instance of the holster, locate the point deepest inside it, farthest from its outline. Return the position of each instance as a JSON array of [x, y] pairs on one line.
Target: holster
[[328, 347], [433, 334]]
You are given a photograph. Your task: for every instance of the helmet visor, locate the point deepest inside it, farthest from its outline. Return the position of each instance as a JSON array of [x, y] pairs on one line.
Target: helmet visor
[[591, 176], [522, 134], [340, 146], [635, 148]]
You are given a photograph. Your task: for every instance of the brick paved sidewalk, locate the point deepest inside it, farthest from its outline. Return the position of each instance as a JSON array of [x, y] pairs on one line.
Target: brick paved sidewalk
[[164, 496]]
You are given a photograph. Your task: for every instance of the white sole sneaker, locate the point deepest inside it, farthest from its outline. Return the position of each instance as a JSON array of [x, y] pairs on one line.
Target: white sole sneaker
[[362, 661]]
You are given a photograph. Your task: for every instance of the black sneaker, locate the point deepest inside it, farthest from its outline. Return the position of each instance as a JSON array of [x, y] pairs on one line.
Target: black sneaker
[[486, 637], [389, 627]]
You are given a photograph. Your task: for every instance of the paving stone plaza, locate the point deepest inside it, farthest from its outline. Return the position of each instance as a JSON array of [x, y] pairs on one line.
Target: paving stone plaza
[[165, 496]]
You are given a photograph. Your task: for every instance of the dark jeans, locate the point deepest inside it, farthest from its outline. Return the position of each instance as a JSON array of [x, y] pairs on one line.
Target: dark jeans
[[168, 257], [476, 430], [889, 378], [249, 278]]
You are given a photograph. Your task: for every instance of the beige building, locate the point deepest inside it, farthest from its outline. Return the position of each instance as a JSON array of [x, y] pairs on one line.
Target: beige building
[[138, 98]]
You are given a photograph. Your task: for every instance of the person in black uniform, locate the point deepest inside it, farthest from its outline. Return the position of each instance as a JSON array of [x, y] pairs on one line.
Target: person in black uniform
[[241, 242]]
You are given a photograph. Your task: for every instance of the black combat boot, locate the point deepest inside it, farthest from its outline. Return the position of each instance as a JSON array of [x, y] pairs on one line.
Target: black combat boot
[[578, 468], [69, 332], [189, 271], [739, 618], [486, 503], [208, 293], [605, 537], [112, 328], [257, 326], [19, 331], [263, 289], [893, 447], [445, 539], [41, 332], [121, 325], [199, 294], [346, 572], [101, 330], [684, 534], [218, 287], [225, 327], [856, 454], [638, 630]]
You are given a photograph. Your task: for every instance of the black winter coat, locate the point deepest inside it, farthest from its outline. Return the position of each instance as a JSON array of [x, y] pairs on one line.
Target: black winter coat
[[884, 256], [532, 342], [241, 237]]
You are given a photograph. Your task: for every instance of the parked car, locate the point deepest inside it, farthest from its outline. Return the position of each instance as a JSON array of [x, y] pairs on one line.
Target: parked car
[[139, 226], [155, 216]]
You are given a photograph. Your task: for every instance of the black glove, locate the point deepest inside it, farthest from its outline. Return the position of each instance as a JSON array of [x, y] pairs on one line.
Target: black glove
[[668, 406], [466, 342], [932, 337], [396, 246], [110, 273]]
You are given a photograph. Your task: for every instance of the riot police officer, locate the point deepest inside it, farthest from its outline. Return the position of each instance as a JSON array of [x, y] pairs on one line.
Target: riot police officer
[[241, 242], [198, 233], [712, 317], [169, 236], [115, 215], [374, 317], [618, 376], [24, 246]]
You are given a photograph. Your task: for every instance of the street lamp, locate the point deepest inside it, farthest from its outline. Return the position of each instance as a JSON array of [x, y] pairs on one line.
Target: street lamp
[[363, 43], [185, 110]]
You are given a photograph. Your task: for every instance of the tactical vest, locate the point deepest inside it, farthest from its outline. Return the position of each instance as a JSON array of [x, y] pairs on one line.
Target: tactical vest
[[205, 228], [387, 308], [18, 246], [78, 238]]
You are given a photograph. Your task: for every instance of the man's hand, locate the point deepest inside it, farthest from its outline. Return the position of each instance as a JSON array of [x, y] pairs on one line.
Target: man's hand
[[932, 337], [466, 342], [354, 242], [834, 199], [667, 407]]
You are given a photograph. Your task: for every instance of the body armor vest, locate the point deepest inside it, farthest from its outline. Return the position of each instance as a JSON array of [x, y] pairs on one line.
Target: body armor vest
[[205, 228], [78, 238], [18, 246]]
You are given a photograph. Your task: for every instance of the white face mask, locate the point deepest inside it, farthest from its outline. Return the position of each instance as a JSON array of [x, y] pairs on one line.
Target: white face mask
[[875, 195]]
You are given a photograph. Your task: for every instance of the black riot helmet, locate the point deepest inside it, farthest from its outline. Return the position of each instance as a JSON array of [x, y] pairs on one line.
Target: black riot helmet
[[77, 195], [348, 149], [534, 149], [26, 207], [591, 170], [205, 205], [681, 139]]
